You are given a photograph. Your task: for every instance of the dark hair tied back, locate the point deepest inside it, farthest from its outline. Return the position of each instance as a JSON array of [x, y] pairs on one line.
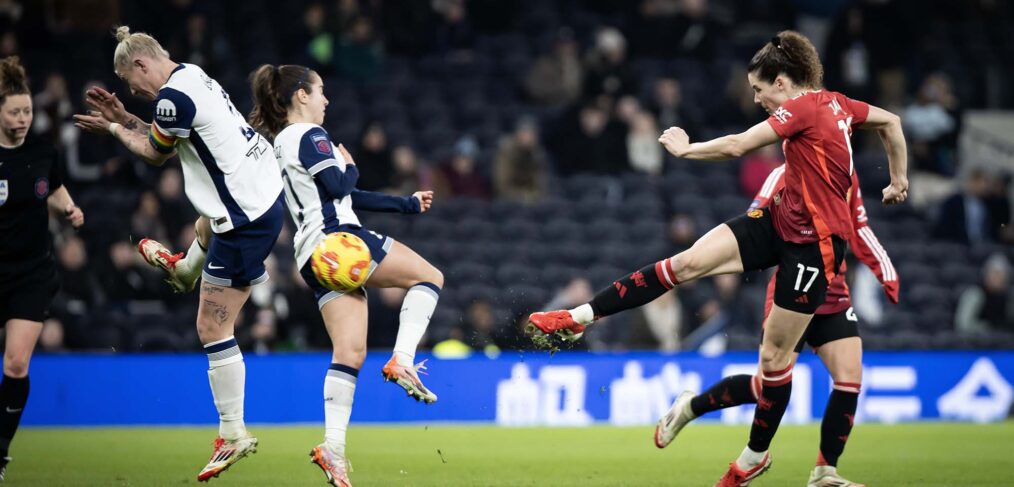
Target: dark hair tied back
[[273, 88], [13, 80], [791, 54]]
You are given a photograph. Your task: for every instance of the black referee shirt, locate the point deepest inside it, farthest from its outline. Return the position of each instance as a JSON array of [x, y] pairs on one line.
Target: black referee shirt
[[28, 175]]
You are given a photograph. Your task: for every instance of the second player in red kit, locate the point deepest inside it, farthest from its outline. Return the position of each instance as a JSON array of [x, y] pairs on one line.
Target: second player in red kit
[[802, 232]]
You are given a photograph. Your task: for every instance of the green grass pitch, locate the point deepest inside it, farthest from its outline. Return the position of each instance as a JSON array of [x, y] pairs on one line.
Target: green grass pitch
[[923, 454]]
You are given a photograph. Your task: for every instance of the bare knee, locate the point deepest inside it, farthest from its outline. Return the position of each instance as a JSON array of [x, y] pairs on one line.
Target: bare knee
[[848, 373], [352, 355], [15, 366], [211, 328], [436, 277], [774, 358], [430, 274], [685, 266]]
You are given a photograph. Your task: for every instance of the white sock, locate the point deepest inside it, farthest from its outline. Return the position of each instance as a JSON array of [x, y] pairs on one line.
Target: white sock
[[749, 458], [339, 388], [227, 375], [583, 314], [190, 266], [416, 311]]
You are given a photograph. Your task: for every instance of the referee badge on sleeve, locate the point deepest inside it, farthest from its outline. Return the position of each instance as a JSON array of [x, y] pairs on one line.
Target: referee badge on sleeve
[[3, 191]]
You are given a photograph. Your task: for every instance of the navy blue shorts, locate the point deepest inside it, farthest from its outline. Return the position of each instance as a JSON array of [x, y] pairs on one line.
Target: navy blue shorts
[[379, 246], [236, 258]]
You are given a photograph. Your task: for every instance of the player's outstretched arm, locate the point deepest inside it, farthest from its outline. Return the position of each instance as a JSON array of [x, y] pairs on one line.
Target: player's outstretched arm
[[136, 142], [888, 127], [677, 142], [419, 202]]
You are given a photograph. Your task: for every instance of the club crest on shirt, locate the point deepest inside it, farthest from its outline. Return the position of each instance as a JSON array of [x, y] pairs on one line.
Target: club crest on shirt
[[755, 213], [165, 111], [321, 143], [3, 191], [41, 188], [782, 115]]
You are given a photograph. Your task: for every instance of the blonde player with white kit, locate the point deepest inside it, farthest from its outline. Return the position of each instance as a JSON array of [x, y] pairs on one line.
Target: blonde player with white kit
[[231, 179]]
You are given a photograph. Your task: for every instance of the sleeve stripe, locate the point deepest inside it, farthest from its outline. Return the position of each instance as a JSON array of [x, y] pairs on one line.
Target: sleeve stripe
[[772, 181], [887, 259], [886, 267], [876, 254], [322, 165]]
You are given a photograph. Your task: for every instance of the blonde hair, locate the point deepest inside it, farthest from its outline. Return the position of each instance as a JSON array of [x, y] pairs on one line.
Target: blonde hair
[[135, 44]]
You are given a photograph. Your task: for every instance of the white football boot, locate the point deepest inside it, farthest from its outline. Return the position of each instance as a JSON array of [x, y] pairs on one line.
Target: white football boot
[[827, 476], [157, 255], [226, 453], [672, 422]]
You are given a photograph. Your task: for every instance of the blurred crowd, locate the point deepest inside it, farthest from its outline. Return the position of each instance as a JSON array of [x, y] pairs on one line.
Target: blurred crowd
[[539, 119]]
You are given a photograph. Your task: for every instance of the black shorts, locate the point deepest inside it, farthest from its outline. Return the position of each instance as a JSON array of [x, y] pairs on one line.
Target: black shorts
[[825, 329], [26, 291], [804, 270]]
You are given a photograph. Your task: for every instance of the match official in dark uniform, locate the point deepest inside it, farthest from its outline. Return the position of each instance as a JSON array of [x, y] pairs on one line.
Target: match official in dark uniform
[[31, 186]]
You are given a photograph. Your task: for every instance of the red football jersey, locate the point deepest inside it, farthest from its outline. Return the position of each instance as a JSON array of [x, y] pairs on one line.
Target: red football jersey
[[864, 245], [817, 130]]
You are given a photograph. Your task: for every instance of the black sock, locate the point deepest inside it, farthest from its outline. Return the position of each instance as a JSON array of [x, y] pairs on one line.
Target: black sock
[[726, 393], [837, 423], [776, 389], [13, 396], [635, 289]]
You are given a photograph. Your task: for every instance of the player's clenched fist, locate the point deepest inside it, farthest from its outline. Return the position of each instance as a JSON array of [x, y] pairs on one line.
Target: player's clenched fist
[[675, 140], [425, 200], [896, 192]]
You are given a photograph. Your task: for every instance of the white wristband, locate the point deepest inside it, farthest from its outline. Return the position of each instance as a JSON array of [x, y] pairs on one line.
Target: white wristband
[[112, 128]]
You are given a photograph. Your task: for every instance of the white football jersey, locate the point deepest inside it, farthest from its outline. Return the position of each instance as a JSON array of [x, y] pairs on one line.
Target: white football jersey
[[229, 173], [303, 150]]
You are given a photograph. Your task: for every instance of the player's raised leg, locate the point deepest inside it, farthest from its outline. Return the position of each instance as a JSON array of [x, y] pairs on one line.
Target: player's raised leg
[[717, 252], [182, 270], [216, 317], [843, 359], [345, 318], [403, 268]]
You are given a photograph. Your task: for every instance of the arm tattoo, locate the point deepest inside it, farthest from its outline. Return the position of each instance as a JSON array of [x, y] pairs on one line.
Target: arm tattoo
[[135, 124]]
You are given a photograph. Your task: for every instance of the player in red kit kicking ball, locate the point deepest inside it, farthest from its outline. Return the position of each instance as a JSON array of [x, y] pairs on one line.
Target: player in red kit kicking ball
[[833, 334], [803, 231]]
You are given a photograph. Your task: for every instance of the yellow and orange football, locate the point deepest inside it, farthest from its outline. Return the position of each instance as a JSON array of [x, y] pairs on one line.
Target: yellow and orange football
[[341, 262]]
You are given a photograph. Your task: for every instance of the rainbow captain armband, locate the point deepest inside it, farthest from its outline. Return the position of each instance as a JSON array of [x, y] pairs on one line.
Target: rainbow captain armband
[[160, 140]]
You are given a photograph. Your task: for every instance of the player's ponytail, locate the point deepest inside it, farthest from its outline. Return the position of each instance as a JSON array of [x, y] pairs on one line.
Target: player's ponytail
[[792, 54], [130, 45], [13, 80], [273, 88]]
